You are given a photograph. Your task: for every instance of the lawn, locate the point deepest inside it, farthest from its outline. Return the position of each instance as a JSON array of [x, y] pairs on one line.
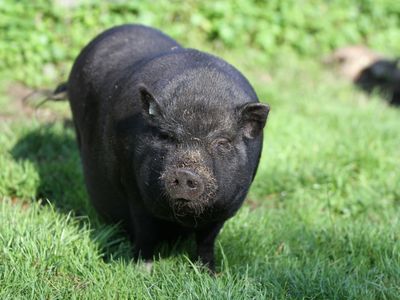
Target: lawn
[[321, 221]]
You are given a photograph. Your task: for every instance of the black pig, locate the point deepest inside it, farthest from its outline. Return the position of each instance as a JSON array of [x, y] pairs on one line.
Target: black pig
[[169, 137]]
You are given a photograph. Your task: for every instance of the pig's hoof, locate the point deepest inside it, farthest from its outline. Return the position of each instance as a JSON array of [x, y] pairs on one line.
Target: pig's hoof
[[148, 266]]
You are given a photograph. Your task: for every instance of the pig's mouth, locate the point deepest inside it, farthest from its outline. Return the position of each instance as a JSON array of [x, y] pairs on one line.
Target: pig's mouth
[[183, 207], [182, 200]]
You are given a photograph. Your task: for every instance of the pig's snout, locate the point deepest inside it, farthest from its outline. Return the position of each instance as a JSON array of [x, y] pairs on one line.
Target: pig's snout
[[184, 184]]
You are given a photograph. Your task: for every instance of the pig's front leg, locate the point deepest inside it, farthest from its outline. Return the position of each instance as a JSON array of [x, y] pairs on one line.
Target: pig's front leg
[[145, 234], [205, 239], [145, 239]]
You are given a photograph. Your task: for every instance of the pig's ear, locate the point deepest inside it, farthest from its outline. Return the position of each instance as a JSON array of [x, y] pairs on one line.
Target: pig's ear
[[253, 117], [150, 106]]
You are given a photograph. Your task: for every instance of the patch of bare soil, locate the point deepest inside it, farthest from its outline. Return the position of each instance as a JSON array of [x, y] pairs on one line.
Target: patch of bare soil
[[23, 102], [16, 201]]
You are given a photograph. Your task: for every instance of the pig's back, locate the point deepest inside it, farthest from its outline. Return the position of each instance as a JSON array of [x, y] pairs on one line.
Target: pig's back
[[114, 49], [121, 46], [101, 62]]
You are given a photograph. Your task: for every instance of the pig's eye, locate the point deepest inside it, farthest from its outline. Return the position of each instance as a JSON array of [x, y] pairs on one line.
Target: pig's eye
[[222, 144], [164, 136]]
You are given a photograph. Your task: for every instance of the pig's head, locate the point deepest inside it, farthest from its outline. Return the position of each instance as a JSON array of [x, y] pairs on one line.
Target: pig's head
[[199, 145]]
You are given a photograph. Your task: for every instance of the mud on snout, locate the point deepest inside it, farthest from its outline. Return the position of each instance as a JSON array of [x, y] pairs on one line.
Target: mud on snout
[[190, 186]]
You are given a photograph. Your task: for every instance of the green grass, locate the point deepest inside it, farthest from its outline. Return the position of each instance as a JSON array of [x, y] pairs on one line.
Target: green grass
[[321, 220]]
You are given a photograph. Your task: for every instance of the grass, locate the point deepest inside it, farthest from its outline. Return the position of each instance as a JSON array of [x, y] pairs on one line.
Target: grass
[[321, 220]]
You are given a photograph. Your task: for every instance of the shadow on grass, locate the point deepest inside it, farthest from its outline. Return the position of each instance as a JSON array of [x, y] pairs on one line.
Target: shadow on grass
[[53, 151]]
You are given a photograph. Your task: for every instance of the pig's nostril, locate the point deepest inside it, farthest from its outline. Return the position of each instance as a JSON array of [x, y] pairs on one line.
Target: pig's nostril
[[192, 184], [175, 182]]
